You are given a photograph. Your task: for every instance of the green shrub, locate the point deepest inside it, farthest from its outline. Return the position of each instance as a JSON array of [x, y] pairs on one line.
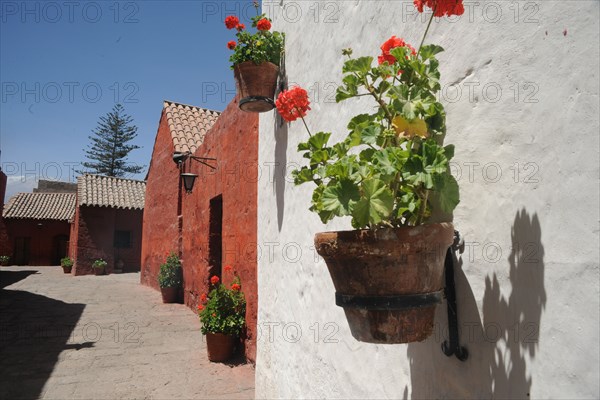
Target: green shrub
[[170, 272], [66, 262], [99, 264]]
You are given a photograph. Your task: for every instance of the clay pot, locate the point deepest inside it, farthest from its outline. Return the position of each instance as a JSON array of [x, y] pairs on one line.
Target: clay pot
[[256, 85], [67, 270], [219, 346], [169, 294], [388, 281], [98, 271]]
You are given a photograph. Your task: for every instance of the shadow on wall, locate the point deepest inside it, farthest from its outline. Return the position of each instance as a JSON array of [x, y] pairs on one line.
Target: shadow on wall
[[500, 345], [35, 331], [280, 129]]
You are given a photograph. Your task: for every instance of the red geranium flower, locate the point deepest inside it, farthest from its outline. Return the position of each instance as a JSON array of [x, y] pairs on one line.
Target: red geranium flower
[[231, 44], [203, 298], [240, 27], [263, 25], [390, 44], [236, 287], [214, 314], [228, 268], [214, 280], [442, 7], [292, 104], [231, 21], [200, 307]]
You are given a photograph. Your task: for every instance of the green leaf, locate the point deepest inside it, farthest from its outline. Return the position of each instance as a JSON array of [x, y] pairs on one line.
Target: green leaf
[[375, 203], [449, 151], [319, 140], [429, 51], [302, 175], [447, 192], [341, 197], [361, 65]]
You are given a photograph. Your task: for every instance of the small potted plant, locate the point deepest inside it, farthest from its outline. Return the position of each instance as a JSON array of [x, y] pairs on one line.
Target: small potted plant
[[67, 264], [99, 266], [255, 62], [222, 314], [391, 176], [169, 278], [4, 260]]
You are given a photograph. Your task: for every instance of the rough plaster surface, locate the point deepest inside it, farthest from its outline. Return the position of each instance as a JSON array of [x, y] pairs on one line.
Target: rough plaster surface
[[527, 165]]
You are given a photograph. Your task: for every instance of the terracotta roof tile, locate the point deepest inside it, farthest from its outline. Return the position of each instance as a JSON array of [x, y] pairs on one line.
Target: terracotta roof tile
[[107, 191], [54, 206], [188, 125]]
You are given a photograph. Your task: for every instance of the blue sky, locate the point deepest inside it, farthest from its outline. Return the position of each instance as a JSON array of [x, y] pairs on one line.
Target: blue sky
[[65, 64]]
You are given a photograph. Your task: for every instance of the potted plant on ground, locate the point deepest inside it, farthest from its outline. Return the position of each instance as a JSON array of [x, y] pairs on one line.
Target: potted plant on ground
[[169, 278], [255, 62], [391, 175], [4, 260], [67, 264], [222, 314], [99, 266]]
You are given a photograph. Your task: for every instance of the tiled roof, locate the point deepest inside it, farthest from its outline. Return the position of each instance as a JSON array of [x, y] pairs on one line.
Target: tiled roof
[[55, 206], [107, 191], [188, 125]]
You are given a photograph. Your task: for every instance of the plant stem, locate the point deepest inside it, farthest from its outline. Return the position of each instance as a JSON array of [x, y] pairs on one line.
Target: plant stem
[[305, 125], [423, 208], [426, 30]]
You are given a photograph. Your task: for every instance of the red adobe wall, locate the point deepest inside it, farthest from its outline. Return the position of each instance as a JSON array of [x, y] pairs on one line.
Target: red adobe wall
[[42, 234], [160, 228], [233, 141], [93, 238]]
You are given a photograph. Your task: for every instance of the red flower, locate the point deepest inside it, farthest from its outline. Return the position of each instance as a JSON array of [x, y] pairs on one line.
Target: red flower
[[228, 268], [240, 27], [442, 7], [214, 280], [263, 25], [203, 298], [390, 44], [231, 44], [200, 307], [214, 314], [232, 21], [236, 287], [292, 103]]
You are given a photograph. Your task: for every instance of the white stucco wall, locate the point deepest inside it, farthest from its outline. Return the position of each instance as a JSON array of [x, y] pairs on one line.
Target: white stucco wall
[[528, 289]]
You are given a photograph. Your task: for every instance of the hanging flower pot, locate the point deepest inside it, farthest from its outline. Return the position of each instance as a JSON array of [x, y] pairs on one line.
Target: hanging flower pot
[[389, 280], [255, 62], [256, 85]]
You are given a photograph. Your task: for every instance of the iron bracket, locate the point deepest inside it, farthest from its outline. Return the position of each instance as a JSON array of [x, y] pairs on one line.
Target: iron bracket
[[452, 346]]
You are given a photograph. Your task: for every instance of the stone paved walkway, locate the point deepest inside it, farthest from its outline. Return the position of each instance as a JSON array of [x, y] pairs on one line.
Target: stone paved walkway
[[103, 337]]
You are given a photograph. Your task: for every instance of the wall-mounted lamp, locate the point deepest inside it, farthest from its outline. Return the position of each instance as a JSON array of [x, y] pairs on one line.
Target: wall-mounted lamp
[[188, 181], [187, 177]]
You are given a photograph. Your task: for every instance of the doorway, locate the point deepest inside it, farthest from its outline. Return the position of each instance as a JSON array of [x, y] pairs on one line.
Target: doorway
[[22, 251], [59, 248], [215, 236]]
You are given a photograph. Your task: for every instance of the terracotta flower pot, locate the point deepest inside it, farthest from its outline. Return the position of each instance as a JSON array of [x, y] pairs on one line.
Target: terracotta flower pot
[[256, 85], [388, 281], [98, 271], [169, 294], [219, 346], [67, 270]]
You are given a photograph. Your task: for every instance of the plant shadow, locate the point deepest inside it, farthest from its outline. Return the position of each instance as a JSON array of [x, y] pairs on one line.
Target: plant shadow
[[499, 343]]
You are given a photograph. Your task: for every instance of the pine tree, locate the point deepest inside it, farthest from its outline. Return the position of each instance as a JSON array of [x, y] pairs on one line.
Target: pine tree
[[109, 149]]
